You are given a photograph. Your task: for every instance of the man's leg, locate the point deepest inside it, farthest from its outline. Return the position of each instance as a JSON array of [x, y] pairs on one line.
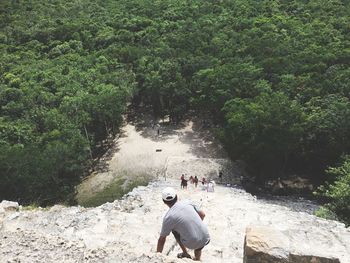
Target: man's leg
[[183, 248], [197, 254]]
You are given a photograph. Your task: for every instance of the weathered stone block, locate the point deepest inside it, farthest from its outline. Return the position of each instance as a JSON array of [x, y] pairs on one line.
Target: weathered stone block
[[267, 245], [311, 259], [264, 244], [9, 206]]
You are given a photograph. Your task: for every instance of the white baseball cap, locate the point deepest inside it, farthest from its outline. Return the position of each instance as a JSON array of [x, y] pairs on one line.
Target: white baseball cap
[[168, 194]]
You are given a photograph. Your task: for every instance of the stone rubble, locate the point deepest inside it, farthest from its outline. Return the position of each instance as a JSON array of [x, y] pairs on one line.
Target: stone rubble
[[127, 230]]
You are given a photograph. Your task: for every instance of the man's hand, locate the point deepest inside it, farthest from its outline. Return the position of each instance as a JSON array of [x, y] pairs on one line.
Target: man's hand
[[160, 245]]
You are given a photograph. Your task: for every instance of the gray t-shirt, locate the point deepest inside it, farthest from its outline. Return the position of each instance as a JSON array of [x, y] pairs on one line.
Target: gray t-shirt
[[183, 218]]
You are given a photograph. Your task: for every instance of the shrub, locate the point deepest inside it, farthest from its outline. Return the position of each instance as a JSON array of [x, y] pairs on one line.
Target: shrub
[[338, 192]]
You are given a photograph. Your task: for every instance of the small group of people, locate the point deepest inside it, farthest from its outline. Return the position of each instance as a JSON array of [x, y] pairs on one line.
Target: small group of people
[[185, 221], [193, 180], [206, 186]]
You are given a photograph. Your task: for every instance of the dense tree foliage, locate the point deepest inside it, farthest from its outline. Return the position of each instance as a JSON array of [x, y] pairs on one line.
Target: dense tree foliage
[[274, 76], [62, 92]]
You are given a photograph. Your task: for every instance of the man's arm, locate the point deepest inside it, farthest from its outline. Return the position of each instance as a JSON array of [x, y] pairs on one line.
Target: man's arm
[[161, 242], [201, 214]]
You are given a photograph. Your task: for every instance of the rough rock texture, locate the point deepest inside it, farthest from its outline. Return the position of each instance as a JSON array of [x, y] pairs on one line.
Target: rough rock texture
[[311, 259], [127, 230], [265, 244], [291, 185], [7, 206]]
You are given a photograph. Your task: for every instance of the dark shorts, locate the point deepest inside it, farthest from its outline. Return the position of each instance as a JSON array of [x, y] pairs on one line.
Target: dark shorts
[[177, 237]]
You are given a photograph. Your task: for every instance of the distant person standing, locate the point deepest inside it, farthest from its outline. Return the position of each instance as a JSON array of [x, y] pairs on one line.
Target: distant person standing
[[185, 221], [211, 186], [158, 129], [220, 176], [195, 181], [183, 182], [204, 182]]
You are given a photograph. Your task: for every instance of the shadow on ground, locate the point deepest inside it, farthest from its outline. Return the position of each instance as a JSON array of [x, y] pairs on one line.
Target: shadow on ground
[[195, 131]]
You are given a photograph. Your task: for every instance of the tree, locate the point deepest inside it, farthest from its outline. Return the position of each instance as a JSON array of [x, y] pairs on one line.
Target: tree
[[338, 192], [265, 131]]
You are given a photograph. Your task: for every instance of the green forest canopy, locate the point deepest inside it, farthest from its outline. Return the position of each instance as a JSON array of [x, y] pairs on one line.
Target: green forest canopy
[[273, 75]]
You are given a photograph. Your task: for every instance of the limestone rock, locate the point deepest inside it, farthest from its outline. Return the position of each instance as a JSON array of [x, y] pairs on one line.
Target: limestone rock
[[311, 259], [9, 206], [265, 244], [127, 230]]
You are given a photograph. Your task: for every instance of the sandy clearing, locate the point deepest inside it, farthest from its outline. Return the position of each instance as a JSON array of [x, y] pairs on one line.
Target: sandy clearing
[[141, 152]]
